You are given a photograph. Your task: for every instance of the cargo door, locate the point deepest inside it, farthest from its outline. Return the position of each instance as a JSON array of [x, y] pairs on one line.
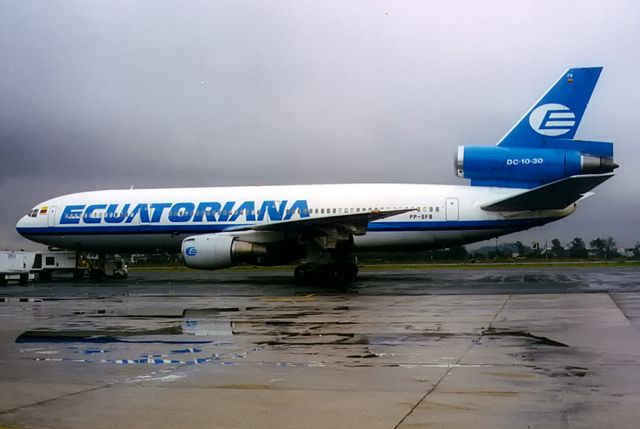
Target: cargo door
[[51, 216], [451, 208]]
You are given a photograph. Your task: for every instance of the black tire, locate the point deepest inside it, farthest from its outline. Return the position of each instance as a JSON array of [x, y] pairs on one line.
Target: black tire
[[331, 274], [302, 274], [347, 272]]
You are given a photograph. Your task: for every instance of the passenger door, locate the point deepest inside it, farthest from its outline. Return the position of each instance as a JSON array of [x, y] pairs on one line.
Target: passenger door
[[451, 208], [51, 216]]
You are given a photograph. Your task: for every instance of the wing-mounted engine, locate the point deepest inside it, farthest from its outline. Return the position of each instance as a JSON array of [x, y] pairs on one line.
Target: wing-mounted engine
[[529, 167], [216, 251], [278, 243]]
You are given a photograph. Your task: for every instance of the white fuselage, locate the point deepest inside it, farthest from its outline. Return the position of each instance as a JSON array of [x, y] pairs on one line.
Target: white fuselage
[[159, 219]]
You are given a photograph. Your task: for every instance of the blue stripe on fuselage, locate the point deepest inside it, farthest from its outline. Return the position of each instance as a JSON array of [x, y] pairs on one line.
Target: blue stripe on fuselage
[[458, 225], [379, 226]]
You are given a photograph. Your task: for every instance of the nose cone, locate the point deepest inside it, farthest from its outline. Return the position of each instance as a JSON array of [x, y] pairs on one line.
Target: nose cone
[[20, 226]]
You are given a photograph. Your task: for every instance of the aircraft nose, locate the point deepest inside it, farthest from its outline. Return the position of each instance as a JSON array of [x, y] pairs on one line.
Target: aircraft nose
[[21, 224]]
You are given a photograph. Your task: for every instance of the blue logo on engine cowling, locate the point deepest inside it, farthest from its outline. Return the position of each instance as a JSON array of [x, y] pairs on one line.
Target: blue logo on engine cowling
[[191, 251]]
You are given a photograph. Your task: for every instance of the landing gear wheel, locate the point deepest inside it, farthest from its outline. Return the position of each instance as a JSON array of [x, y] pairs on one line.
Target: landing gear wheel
[[303, 274], [341, 274], [347, 272]]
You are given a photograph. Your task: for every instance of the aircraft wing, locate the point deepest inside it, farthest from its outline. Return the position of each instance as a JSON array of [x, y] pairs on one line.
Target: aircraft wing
[[354, 223], [552, 196]]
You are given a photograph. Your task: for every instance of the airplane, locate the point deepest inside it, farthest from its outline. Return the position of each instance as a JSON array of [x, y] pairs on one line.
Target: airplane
[[536, 174]]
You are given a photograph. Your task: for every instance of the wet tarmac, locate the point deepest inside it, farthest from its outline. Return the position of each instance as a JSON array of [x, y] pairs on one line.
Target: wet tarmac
[[482, 348]]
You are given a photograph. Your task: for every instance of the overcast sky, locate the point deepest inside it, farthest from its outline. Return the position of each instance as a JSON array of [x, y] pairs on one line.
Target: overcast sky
[[113, 94]]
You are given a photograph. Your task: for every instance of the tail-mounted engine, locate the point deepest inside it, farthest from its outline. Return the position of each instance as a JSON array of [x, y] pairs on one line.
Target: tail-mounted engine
[[524, 167]]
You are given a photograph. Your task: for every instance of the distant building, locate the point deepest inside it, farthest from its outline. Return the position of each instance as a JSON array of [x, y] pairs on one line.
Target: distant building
[[628, 252]]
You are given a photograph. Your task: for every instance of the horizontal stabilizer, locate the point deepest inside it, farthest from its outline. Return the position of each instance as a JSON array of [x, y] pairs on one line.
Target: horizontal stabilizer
[[552, 196]]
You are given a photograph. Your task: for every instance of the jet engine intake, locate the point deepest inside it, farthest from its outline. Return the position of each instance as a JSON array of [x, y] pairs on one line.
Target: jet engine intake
[[217, 251]]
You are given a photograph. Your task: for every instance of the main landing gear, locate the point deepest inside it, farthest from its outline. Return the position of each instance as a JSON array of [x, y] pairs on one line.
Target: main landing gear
[[334, 273]]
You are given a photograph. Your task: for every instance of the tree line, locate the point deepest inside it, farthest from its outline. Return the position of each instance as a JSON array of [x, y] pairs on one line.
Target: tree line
[[604, 248], [599, 248]]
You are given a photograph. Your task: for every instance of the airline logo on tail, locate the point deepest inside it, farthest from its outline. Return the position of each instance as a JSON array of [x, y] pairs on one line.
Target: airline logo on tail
[[552, 119], [558, 113]]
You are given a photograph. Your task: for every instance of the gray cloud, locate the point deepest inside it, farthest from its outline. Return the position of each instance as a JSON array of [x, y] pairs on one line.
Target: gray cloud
[[158, 93]]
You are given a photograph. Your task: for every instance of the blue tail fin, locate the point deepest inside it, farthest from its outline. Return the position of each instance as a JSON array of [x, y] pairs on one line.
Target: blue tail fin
[[558, 113]]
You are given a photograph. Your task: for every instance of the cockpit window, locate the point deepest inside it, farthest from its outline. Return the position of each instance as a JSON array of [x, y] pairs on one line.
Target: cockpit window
[[33, 213]]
